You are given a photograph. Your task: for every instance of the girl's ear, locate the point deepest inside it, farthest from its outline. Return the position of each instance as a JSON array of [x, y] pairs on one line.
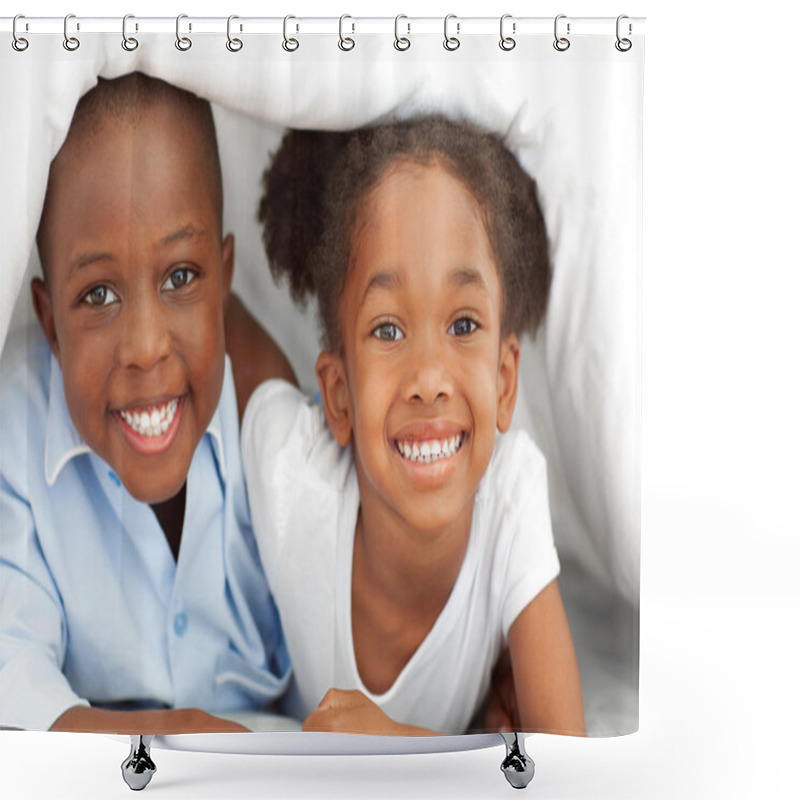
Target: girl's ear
[[335, 395], [44, 312], [507, 380]]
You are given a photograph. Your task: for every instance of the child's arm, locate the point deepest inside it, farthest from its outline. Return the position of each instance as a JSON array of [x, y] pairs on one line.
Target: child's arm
[[546, 677], [80, 719], [255, 357], [344, 711], [502, 712]]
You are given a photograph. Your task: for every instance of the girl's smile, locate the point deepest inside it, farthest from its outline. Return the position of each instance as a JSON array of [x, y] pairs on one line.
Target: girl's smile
[[429, 451]]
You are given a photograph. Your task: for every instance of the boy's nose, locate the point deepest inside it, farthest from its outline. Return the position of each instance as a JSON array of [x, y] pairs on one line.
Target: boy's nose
[[428, 378], [145, 337]]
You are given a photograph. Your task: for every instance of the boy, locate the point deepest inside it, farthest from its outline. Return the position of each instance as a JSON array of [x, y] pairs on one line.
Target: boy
[[131, 592]]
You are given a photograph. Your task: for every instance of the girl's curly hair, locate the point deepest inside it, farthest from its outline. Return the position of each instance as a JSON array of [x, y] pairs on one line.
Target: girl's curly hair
[[317, 180]]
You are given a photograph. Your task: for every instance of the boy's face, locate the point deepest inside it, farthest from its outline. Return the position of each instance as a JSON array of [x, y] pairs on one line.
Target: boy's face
[[137, 277], [428, 378]]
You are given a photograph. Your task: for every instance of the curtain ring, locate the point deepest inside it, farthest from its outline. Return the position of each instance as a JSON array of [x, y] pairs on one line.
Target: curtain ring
[[451, 42], [623, 45], [561, 43], [401, 43], [183, 43], [233, 44], [346, 43], [290, 44], [19, 43], [507, 42], [129, 43], [71, 43]]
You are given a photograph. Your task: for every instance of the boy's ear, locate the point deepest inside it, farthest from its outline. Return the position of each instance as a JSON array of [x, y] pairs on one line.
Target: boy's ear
[[507, 380], [44, 313], [335, 395], [228, 251]]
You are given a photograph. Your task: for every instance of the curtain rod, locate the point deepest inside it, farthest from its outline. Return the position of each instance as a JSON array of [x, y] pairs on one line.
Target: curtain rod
[[461, 26]]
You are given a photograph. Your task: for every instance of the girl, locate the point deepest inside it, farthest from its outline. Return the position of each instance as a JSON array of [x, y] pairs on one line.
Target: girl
[[405, 542]]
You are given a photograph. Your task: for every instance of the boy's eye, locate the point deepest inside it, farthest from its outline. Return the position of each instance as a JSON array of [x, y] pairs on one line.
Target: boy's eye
[[462, 327], [179, 278], [100, 296], [388, 332]]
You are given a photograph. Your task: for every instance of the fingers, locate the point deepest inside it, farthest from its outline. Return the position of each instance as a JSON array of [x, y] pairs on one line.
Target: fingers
[[349, 711], [330, 711], [340, 698]]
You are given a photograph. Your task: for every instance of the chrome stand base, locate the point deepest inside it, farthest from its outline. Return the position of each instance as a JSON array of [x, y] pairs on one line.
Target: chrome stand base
[[517, 766], [138, 768]]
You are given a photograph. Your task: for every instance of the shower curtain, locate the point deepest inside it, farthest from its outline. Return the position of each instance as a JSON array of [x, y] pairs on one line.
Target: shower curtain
[[565, 96]]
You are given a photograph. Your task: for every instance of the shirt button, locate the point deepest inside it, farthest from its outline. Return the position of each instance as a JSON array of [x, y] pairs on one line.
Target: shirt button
[[179, 624]]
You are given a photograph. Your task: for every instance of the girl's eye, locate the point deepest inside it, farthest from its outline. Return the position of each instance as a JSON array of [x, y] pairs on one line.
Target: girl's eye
[[462, 327], [388, 332], [100, 296], [179, 278]]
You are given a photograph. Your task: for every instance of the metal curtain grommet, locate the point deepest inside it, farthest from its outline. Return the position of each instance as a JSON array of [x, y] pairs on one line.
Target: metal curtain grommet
[[183, 43], [507, 42], [623, 45], [561, 43], [451, 42], [129, 43], [290, 44], [19, 43], [401, 43], [233, 44], [346, 43], [71, 43]]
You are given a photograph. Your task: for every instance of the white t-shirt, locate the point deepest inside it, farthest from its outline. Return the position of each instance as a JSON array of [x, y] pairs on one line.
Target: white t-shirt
[[304, 502]]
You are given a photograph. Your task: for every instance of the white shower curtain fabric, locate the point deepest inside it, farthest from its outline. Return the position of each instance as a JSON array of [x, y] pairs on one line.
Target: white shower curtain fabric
[[572, 118]]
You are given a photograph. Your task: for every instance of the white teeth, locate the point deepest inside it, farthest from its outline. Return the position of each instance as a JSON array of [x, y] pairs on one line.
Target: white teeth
[[152, 422], [429, 451]]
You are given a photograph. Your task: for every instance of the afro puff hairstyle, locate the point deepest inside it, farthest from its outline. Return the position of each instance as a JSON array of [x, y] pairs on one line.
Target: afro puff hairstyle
[[315, 185]]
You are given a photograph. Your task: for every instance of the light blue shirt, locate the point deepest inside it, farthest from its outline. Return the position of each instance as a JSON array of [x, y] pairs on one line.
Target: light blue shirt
[[94, 608]]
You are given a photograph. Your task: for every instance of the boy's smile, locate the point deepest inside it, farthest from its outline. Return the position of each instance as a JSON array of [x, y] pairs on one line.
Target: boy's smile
[[427, 376], [136, 279], [152, 428]]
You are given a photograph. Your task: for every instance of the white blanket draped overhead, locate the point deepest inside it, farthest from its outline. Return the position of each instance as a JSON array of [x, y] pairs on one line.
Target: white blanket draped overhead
[[573, 119]]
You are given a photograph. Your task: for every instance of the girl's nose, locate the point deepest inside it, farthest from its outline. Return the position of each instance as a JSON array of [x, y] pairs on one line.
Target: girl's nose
[[429, 378]]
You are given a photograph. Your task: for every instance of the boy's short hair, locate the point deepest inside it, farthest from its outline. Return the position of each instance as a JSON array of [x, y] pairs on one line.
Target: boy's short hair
[[125, 99], [317, 181]]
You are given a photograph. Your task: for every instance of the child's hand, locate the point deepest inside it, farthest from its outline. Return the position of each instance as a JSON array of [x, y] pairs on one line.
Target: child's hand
[[352, 712]]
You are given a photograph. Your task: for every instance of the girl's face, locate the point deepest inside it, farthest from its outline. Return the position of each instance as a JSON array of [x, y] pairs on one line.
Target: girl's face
[[424, 378]]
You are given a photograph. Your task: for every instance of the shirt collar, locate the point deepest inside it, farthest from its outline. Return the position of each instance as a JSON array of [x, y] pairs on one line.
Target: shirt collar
[[63, 442]]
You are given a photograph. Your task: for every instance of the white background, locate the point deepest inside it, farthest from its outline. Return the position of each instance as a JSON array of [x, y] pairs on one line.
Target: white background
[[720, 622]]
